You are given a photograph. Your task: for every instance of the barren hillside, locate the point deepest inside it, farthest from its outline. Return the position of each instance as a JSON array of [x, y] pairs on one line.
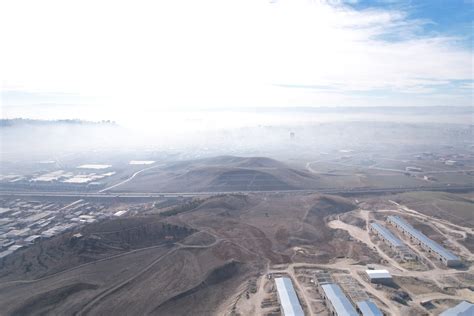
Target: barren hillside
[[195, 257], [222, 174]]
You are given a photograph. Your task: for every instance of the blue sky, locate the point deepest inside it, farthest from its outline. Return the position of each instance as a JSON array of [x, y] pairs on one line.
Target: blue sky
[[129, 60], [446, 17]]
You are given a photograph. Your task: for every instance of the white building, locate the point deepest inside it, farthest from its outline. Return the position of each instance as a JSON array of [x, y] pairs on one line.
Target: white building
[[290, 305], [429, 245], [379, 276]]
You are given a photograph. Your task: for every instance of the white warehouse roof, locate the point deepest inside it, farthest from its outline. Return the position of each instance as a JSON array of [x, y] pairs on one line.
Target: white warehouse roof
[[378, 274], [392, 239], [338, 300], [368, 308], [288, 299], [421, 237]]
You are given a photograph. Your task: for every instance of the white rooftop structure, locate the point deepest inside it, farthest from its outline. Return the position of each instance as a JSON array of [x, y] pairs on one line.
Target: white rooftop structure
[[37, 216], [51, 176], [94, 166], [422, 238], [120, 213], [86, 216], [462, 309], [47, 162], [32, 238], [368, 308], [15, 247], [339, 301], [387, 235], [4, 210], [86, 178], [378, 274], [288, 300], [18, 232], [141, 162]]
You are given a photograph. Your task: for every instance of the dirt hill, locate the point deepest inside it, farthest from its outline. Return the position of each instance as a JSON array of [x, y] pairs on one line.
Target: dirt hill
[[222, 174]]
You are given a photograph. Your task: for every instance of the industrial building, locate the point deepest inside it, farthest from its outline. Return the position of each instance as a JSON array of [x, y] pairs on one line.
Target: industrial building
[[379, 276], [290, 305], [368, 308], [358, 296], [335, 296], [336, 301], [393, 242], [429, 245], [462, 309]]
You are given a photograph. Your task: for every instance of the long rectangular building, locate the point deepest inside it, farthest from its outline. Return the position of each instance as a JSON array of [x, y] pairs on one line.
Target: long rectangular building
[[386, 235], [379, 276], [289, 302], [429, 245], [393, 242], [336, 301], [368, 308]]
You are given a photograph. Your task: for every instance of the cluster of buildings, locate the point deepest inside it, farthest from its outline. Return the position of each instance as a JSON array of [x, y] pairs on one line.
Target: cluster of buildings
[[393, 242], [84, 176], [23, 223], [416, 237], [447, 159], [345, 297], [356, 303]]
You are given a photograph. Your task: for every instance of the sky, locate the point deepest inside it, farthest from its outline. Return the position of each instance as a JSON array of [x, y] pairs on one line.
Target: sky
[[131, 61]]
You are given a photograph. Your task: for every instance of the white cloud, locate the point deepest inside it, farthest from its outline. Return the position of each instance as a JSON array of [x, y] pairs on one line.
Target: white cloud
[[164, 54]]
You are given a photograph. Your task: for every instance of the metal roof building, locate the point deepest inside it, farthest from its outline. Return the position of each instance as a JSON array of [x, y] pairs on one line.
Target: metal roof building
[[379, 276], [462, 309], [382, 273], [387, 235], [337, 302], [287, 296], [393, 242], [444, 255], [368, 308]]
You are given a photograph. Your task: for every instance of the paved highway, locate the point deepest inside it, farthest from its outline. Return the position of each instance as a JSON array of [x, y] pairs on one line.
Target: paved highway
[[348, 191]]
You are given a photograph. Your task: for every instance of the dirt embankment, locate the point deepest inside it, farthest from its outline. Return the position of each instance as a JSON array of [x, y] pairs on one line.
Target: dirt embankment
[[44, 303], [204, 299], [98, 241]]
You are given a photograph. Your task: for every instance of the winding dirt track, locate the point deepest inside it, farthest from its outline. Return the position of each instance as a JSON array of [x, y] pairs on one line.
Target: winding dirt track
[[364, 237], [117, 287]]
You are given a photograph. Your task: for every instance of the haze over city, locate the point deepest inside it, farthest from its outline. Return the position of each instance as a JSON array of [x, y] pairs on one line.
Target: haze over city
[[134, 63]]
